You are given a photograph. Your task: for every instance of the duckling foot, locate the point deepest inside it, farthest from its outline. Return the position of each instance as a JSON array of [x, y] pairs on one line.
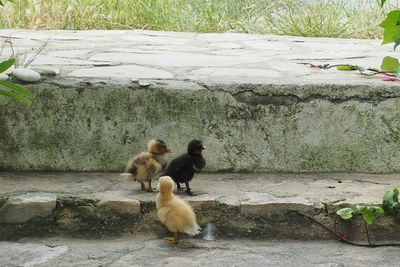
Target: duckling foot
[[192, 194], [142, 187], [171, 240], [179, 187], [151, 190]]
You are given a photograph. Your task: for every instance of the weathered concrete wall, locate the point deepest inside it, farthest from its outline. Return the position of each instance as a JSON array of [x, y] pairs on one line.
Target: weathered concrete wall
[[97, 126]]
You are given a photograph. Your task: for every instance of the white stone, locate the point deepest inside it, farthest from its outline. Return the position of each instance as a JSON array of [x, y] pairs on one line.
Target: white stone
[[54, 61], [230, 37], [246, 72], [154, 39], [78, 54], [121, 205], [25, 207], [144, 83], [226, 45], [47, 70], [125, 72], [267, 45], [26, 75], [177, 59], [3, 77]]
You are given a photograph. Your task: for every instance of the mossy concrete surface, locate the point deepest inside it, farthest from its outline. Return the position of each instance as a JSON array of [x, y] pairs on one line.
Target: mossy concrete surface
[[85, 126], [259, 206], [252, 99]]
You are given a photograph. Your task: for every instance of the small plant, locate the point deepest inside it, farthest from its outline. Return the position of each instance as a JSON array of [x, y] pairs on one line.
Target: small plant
[[369, 214], [391, 201], [10, 89], [13, 90]]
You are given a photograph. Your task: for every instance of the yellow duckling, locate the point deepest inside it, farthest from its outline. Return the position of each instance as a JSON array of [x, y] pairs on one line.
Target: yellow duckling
[[175, 213]]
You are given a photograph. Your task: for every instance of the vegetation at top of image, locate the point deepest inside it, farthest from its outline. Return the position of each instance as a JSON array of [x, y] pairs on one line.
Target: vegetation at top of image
[[390, 66], [10, 89], [3, 1], [318, 18]]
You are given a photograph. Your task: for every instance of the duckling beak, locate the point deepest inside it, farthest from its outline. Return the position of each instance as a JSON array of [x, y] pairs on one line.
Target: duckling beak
[[170, 150]]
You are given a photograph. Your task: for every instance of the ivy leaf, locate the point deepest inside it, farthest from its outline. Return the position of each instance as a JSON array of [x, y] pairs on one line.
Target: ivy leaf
[[391, 27], [369, 213], [360, 68], [345, 68], [382, 3], [390, 64], [345, 213], [391, 201]]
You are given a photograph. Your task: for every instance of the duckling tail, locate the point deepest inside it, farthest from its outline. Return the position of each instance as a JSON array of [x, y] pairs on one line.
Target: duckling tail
[[193, 230], [132, 170], [131, 173]]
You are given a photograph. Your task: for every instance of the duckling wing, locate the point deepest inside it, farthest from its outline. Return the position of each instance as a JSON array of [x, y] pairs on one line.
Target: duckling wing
[[143, 166], [199, 163], [180, 169]]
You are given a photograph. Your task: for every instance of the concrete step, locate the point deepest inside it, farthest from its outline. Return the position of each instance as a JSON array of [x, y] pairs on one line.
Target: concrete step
[[152, 252], [260, 206], [249, 97]]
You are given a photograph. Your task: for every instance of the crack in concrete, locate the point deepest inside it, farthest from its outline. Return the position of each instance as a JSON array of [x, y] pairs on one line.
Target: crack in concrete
[[254, 98]]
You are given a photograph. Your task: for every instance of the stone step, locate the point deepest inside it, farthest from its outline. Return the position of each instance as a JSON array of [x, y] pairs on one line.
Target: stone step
[[262, 206], [249, 97], [148, 251]]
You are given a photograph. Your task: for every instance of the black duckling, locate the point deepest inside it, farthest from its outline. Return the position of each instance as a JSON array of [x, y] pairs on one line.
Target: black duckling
[[147, 164], [183, 168]]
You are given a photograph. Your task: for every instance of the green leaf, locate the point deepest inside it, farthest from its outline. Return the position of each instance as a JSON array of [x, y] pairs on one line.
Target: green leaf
[[369, 213], [345, 68], [5, 65], [389, 64], [391, 201], [382, 3], [396, 44], [345, 213], [360, 68], [15, 96], [391, 27], [17, 89]]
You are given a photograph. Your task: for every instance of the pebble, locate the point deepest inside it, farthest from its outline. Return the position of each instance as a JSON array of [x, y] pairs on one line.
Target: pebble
[[26, 75], [144, 83], [47, 71], [3, 77]]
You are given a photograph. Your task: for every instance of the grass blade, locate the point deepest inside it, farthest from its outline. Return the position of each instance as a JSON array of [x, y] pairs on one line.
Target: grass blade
[[5, 65], [17, 89], [15, 96]]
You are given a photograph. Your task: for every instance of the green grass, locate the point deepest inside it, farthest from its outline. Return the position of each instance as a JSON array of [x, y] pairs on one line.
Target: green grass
[[329, 18]]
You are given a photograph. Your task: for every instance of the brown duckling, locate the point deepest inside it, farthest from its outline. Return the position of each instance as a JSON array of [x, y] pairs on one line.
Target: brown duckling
[[183, 168], [147, 164]]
